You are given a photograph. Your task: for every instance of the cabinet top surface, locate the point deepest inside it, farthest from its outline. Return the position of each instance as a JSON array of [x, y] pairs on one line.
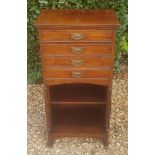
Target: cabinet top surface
[[89, 17]]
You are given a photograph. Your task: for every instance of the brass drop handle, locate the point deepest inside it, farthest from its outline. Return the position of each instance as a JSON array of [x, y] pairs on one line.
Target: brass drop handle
[[77, 74], [77, 36], [77, 50], [77, 62]]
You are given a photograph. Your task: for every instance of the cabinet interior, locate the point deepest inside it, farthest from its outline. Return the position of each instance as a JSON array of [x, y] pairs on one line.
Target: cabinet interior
[[78, 108]]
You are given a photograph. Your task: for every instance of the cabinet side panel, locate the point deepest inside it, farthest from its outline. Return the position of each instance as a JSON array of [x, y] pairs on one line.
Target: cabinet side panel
[[108, 105]]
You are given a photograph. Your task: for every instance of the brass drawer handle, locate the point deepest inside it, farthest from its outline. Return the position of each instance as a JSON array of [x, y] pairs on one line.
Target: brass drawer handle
[[77, 50], [77, 36], [77, 74], [77, 62]]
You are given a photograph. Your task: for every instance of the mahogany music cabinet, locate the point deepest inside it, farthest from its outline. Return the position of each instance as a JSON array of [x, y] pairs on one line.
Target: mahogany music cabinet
[[77, 55]]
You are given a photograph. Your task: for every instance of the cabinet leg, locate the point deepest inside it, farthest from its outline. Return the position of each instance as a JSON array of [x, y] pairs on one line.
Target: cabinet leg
[[50, 142], [105, 140], [107, 118]]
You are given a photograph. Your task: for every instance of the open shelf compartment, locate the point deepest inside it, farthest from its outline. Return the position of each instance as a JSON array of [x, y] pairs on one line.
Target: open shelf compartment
[[78, 93], [78, 119], [78, 109]]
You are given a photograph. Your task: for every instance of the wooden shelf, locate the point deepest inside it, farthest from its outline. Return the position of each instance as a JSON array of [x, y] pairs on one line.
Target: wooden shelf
[[78, 119], [78, 102], [78, 94]]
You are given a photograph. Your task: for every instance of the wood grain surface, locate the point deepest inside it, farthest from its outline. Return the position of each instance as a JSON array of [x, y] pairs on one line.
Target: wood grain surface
[[77, 57]]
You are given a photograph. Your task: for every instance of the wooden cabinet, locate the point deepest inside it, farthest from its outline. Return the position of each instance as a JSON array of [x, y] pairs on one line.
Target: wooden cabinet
[[77, 55]]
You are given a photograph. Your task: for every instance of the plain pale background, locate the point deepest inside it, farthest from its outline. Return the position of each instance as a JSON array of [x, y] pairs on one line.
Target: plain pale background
[[13, 77]]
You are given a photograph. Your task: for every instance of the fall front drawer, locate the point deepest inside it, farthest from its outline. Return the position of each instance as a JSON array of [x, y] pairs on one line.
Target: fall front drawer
[[76, 61], [75, 48], [77, 73], [76, 35]]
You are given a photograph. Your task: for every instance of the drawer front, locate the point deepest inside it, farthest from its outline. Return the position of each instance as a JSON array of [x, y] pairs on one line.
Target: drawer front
[[76, 61], [76, 35], [97, 81], [76, 73], [76, 49]]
